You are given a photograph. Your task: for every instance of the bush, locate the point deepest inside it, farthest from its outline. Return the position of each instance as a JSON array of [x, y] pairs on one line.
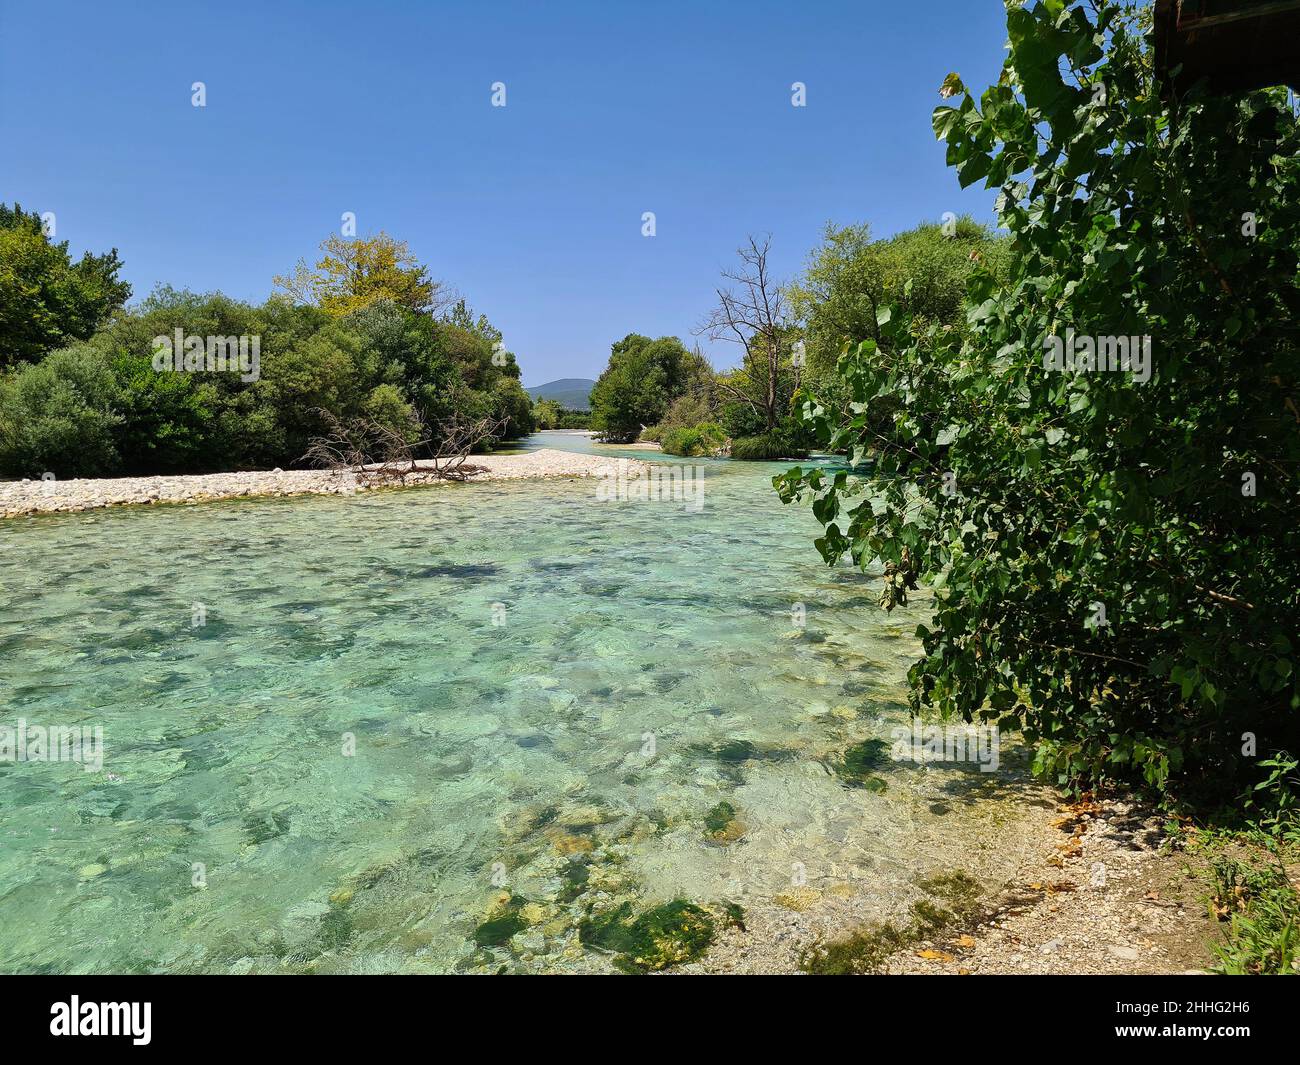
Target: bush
[[693, 441], [1115, 549], [58, 416], [740, 419], [921, 273], [768, 447], [166, 417], [1262, 908]]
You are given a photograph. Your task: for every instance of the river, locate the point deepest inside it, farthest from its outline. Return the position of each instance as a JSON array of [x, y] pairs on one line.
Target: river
[[336, 729]]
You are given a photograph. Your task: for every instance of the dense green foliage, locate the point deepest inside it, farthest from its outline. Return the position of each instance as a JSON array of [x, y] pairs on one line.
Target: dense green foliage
[[548, 414], [768, 447], [101, 407], [1115, 563], [692, 441], [642, 379], [47, 300], [922, 273], [60, 414]]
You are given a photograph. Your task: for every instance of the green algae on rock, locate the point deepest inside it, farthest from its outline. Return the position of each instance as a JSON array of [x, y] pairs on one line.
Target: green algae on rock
[[858, 764], [669, 934], [866, 950], [505, 921], [719, 817]]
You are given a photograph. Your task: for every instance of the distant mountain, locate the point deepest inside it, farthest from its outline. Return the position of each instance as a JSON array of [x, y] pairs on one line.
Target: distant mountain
[[572, 393]]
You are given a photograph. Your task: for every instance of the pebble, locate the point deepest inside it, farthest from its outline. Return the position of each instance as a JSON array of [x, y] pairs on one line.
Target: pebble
[[24, 497]]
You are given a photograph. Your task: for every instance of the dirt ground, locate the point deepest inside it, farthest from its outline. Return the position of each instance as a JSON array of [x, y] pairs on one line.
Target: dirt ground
[[1112, 895]]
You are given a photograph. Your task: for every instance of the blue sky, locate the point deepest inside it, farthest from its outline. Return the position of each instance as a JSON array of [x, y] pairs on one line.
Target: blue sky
[[532, 211]]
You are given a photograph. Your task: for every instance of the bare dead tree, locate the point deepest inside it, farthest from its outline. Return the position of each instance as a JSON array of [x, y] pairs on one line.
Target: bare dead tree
[[378, 453], [458, 437], [751, 312]]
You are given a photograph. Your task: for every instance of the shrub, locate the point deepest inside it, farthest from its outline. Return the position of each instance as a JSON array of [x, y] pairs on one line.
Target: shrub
[[767, 447], [58, 416], [693, 441], [740, 419], [1262, 908], [1115, 548]]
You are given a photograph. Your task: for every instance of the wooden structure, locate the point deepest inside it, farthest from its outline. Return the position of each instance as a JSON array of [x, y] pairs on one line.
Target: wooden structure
[[1237, 45]]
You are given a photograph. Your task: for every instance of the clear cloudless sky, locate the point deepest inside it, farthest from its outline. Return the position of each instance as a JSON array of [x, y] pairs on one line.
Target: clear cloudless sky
[[531, 211]]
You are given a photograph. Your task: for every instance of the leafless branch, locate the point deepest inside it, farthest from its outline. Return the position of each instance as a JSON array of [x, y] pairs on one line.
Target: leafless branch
[[752, 313], [379, 453]]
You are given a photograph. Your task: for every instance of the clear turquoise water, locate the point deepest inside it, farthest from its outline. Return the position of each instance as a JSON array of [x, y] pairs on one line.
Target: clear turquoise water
[[485, 756]]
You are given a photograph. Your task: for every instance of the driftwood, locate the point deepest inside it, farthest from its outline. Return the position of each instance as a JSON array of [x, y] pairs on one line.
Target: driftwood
[[379, 454]]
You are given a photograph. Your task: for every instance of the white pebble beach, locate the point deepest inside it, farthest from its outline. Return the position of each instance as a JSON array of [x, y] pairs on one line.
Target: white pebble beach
[[21, 498]]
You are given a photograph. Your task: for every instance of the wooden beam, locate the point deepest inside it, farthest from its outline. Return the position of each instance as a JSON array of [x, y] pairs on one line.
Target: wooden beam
[[1233, 47]]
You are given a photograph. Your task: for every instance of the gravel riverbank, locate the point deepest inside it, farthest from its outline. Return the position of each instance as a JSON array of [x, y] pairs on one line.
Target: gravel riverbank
[[21, 498], [1097, 890]]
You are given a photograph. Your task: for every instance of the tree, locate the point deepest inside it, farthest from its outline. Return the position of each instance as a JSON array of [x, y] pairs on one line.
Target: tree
[[58, 416], [752, 314], [1113, 549], [921, 272], [546, 413], [355, 273], [489, 374], [46, 300], [643, 377]]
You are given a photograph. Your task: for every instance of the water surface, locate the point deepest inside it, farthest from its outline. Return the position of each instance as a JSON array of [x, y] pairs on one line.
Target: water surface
[[403, 703]]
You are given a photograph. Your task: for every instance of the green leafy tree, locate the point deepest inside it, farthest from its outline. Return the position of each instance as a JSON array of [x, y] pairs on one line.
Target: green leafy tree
[[547, 414], [46, 300], [643, 377], [1113, 552], [58, 416], [354, 273], [489, 376], [921, 273]]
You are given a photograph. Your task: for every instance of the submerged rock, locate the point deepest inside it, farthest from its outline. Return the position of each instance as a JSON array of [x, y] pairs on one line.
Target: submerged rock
[[670, 934], [505, 920], [585, 816], [858, 764], [798, 898], [721, 824]]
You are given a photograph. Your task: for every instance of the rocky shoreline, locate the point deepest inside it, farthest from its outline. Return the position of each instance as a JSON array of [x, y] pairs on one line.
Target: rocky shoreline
[[27, 497], [1100, 890]]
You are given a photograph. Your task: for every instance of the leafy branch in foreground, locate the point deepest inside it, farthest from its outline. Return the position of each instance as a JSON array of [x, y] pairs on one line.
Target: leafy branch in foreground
[[1115, 559]]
